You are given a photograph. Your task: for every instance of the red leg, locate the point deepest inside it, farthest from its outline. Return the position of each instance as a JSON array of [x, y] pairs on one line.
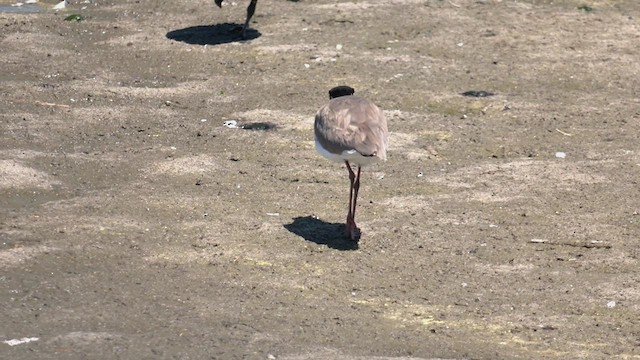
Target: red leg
[[351, 230], [356, 187], [350, 222], [250, 11], [354, 232]]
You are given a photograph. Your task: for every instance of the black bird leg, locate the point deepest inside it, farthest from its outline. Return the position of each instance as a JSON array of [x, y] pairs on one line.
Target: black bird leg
[[251, 9]]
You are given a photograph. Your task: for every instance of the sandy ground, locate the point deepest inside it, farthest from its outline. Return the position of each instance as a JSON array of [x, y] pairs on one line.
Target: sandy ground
[[135, 225]]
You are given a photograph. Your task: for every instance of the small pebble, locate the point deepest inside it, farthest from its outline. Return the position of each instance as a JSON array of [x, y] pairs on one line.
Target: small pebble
[[561, 155]]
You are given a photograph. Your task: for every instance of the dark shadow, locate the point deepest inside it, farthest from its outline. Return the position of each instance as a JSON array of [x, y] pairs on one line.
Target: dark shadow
[[321, 232], [212, 34], [266, 126]]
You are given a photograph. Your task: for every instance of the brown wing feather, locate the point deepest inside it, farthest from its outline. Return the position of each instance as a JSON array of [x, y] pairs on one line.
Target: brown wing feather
[[351, 122]]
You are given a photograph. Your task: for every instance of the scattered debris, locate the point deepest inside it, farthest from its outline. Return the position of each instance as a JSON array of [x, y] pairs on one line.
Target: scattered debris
[[548, 327], [233, 124], [174, 103], [563, 133], [611, 304], [561, 155], [431, 150], [22, 7], [477, 93], [585, 8], [51, 104], [259, 126], [580, 244], [61, 5], [19, 4], [24, 340], [74, 17]]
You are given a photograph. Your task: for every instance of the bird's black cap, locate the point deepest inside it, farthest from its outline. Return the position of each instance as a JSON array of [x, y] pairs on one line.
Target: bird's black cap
[[342, 90]]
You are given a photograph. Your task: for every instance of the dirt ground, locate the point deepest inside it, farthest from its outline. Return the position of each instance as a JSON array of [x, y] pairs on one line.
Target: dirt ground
[[135, 225]]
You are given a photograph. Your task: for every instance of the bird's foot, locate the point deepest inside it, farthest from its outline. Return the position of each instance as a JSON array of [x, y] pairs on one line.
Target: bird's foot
[[352, 232], [239, 30]]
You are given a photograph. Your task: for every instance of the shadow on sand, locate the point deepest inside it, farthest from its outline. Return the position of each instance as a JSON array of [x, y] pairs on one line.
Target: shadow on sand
[[321, 232], [212, 34]]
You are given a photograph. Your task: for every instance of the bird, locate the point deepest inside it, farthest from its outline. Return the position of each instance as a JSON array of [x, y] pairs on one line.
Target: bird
[[251, 9], [353, 130]]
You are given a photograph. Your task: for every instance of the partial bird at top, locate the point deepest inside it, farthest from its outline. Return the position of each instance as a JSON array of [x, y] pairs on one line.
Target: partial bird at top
[[251, 9]]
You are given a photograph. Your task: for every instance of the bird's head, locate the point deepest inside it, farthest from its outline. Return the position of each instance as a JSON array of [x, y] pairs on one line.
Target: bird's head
[[342, 90]]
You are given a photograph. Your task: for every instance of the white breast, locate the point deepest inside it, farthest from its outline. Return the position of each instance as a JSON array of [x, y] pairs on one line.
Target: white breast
[[351, 156]]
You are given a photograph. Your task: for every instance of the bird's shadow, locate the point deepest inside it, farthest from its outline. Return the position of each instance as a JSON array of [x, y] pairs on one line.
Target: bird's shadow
[[321, 232], [212, 34]]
